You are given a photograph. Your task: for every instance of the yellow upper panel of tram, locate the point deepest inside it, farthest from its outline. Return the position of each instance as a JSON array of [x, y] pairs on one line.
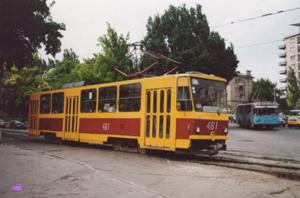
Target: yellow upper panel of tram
[[157, 80]]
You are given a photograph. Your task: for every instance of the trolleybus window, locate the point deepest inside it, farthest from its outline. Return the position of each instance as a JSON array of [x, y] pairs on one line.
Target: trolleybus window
[[45, 103], [57, 102], [88, 101], [184, 102], [265, 111], [130, 97], [208, 95], [108, 99]]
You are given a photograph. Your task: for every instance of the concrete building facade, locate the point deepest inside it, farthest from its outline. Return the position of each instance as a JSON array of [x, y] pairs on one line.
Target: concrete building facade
[[239, 90], [290, 56]]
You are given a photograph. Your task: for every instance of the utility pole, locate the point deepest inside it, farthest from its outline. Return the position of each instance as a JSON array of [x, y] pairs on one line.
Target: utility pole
[[274, 94]]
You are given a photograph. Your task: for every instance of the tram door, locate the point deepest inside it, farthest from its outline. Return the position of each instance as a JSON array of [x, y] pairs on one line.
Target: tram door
[[158, 108], [71, 118], [33, 116]]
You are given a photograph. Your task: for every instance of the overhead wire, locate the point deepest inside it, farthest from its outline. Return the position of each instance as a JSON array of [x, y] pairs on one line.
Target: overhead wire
[[257, 17], [245, 20], [257, 44]]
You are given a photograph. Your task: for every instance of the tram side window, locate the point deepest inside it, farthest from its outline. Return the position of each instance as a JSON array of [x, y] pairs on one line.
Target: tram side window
[[184, 102], [45, 103], [148, 101], [108, 99], [162, 101], [130, 97], [169, 101], [57, 102], [88, 101]]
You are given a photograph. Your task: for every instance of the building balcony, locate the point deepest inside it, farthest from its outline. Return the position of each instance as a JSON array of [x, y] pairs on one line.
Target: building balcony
[[282, 88], [283, 80], [283, 71], [282, 63], [282, 46], [282, 55]]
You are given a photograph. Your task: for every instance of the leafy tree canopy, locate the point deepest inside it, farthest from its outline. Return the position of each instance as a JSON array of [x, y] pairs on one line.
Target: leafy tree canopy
[[263, 90], [298, 104], [62, 71], [26, 25], [184, 35], [24, 82], [293, 92], [114, 53]]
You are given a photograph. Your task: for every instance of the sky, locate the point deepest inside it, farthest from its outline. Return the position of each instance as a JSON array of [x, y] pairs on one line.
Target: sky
[[86, 20]]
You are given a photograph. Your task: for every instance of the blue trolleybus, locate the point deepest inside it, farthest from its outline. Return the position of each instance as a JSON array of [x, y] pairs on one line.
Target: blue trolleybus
[[258, 115]]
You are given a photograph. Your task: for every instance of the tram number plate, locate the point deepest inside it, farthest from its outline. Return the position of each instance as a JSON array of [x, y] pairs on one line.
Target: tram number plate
[[105, 126], [212, 125]]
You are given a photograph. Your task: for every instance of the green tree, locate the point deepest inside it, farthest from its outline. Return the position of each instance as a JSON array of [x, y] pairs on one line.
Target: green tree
[[61, 73], [298, 104], [19, 85], [26, 81], [115, 53], [26, 25], [184, 35], [293, 92], [263, 90]]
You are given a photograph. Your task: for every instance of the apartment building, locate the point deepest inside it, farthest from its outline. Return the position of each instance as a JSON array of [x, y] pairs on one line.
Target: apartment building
[[239, 90], [290, 56]]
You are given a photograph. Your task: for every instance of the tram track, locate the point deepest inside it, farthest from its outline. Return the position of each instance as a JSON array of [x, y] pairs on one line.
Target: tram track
[[290, 172], [282, 171]]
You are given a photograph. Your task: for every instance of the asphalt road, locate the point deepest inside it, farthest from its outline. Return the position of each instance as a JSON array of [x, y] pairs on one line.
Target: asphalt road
[[280, 143], [56, 170]]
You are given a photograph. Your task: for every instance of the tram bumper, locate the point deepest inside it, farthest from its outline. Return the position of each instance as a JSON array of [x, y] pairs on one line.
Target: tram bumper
[[204, 147]]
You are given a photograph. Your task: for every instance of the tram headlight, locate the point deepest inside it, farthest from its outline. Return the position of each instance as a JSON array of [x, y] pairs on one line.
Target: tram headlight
[[226, 130], [198, 130]]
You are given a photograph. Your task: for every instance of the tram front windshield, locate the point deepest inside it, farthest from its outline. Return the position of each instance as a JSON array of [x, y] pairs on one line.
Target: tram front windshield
[[209, 95]]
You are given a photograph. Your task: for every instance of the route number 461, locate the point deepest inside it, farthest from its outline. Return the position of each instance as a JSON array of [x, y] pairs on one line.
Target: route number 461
[[212, 125]]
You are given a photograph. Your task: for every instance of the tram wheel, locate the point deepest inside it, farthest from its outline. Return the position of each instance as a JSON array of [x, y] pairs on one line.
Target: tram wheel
[[116, 145], [141, 150]]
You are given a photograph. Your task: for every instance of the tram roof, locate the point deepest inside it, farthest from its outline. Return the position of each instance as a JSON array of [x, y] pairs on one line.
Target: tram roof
[[192, 74]]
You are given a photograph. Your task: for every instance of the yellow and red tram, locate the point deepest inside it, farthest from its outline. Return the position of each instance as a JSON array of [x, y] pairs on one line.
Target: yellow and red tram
[[182, 112]]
